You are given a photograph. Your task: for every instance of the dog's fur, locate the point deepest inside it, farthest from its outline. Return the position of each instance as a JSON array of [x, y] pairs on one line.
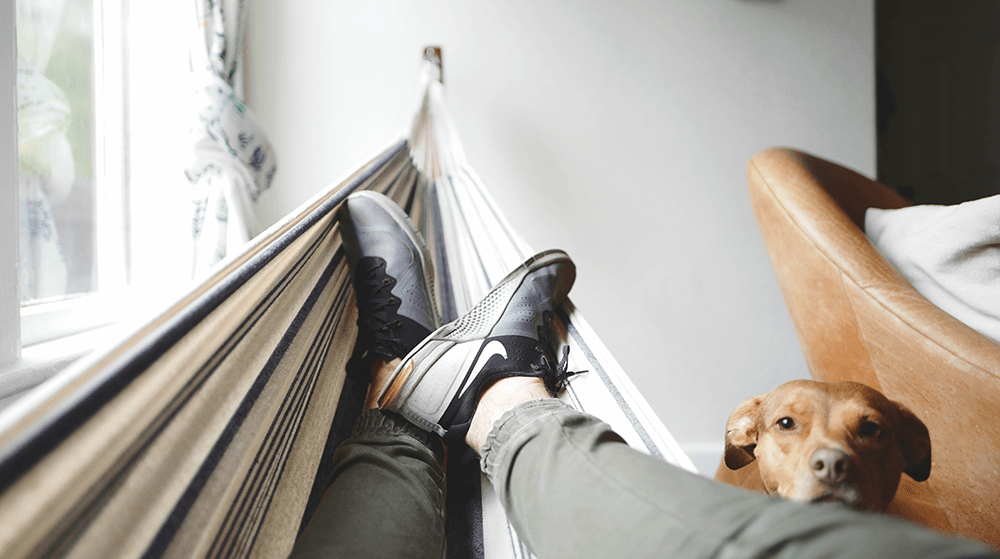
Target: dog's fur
[[840, 441]]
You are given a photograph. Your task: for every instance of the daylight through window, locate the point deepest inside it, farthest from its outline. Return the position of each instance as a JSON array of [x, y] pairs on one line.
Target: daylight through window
[[55, 100]]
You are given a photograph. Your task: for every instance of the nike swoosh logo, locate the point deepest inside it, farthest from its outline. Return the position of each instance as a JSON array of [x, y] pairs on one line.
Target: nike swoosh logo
[[493, 347]]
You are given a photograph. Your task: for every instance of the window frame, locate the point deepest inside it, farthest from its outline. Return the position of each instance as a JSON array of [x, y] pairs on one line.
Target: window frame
[[39, 339], [42, 338], [43, 321], [10, 291]]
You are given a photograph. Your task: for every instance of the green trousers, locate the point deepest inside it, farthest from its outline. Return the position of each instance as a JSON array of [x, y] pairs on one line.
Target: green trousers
[[572, 488]]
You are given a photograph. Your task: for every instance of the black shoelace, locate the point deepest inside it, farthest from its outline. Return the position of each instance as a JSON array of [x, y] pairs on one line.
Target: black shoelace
[[555, 375], [375, 299]]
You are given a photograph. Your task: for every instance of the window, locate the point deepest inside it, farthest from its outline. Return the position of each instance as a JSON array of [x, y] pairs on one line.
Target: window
[[104, 223], [56, 148], [71, 164]]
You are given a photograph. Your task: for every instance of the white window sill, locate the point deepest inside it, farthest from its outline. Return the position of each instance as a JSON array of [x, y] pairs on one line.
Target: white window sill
[[57, 320], [41, 361]]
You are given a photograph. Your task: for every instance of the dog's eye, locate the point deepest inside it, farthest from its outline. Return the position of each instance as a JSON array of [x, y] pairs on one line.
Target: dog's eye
[[786, 423], [870, 429]]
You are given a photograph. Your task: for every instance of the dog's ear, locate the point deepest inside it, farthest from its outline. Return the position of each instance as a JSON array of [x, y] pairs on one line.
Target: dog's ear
[[741, 433], [915, 442]]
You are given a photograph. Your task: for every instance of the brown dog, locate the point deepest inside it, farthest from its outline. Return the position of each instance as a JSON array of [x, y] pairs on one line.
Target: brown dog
[[841, 441]]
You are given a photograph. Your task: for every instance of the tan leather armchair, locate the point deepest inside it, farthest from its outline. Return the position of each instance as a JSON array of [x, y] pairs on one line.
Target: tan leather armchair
[[858, 319]]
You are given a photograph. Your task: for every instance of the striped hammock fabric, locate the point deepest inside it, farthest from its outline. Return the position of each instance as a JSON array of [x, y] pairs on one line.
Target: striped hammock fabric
[[208, 431]]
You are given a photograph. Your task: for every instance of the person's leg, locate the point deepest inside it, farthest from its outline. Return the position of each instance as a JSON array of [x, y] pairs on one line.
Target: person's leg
[[386, 494], [385, 497], [572, 488]]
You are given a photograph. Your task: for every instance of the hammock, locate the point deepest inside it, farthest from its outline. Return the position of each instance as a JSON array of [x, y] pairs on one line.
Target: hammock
[[207, 431]]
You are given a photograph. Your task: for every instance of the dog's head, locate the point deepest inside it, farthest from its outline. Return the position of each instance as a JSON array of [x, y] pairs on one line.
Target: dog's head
[[840, 441]]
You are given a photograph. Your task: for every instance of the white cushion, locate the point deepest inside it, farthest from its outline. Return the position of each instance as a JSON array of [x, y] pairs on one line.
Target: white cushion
[[950, 254]]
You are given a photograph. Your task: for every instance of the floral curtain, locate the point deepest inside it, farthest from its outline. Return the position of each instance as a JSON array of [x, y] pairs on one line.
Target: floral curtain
[[47, 170], [233, 162]]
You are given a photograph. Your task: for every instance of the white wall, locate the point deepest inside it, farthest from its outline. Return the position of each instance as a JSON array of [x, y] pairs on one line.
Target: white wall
[[618, 131]]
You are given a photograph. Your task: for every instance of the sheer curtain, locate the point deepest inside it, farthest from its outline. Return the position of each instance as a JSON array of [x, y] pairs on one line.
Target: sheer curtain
[[233, 162], [47, 170]]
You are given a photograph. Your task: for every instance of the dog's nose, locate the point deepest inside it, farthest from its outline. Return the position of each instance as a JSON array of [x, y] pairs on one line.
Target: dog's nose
[[830, 465]]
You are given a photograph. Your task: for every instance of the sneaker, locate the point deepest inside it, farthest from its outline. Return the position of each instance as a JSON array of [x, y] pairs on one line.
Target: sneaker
[[393, 279], [437, 385]]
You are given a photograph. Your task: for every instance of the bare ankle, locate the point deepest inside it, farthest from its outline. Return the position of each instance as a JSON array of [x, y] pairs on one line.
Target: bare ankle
[[500, 397]]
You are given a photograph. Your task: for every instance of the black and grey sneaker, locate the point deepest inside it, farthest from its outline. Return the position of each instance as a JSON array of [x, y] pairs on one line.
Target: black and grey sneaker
[[393, 279], [437, 386]]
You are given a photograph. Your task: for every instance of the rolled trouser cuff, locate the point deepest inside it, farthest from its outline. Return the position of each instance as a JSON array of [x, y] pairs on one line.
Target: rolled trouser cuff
[[516, 425]]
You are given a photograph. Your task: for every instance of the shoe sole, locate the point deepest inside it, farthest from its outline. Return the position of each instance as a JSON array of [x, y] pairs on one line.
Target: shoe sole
[[465, 329], [415, 237]]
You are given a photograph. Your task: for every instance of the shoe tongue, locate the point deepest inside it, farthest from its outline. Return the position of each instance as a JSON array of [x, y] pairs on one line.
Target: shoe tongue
[[369, 278], [369, 265]]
